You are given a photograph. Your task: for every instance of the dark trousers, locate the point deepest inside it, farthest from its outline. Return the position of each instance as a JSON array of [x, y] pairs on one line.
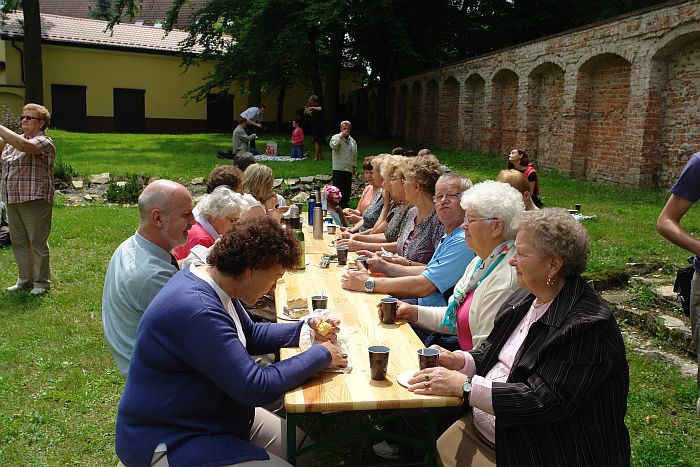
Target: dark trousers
[[343, 180]]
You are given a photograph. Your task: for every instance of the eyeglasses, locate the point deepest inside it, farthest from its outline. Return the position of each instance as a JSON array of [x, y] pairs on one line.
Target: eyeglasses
[[29, 117], [396, 179], [448, 196], [470, 220]]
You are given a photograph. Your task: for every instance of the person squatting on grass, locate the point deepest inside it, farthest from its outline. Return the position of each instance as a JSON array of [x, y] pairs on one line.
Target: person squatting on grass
[[26, 188], [142, 264]]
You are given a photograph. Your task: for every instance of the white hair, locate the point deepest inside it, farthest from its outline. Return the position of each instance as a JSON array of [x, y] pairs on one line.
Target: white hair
[[345, 122], [497, 200], [222, 202]]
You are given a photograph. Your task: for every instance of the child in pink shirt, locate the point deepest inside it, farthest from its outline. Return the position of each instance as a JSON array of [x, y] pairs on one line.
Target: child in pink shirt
[[297, 140]]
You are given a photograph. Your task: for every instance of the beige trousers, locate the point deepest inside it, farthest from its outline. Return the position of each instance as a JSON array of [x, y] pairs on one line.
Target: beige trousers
[[270, 432], [30, 225], [462, 445]]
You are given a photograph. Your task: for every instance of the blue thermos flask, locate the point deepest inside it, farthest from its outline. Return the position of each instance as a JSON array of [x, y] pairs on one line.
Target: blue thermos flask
[[312, 205]]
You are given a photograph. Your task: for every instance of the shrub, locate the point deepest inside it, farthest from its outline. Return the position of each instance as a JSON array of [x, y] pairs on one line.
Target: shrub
[[63, 171], [128, 193], [10, 120]]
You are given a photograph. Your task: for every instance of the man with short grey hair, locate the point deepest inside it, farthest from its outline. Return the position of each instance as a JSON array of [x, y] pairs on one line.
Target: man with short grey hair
[[143, 264], [344, 158]]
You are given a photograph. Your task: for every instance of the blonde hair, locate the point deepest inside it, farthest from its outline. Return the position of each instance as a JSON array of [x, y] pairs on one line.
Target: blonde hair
[[515, 179], [557, 233], [424, 171], [391, 165], [43, 112], [257, 181]]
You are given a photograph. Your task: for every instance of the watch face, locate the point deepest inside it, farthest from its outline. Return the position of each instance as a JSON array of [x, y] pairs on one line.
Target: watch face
[[467, 387], [369, 285]]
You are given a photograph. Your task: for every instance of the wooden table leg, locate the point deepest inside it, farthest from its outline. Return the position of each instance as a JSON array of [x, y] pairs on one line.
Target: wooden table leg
[[291, 438]]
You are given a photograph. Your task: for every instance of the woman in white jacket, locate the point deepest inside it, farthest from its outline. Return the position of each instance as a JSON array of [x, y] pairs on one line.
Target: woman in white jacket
[[490, 208]]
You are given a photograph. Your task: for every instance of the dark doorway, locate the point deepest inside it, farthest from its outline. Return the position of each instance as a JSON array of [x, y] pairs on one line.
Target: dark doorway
[[220, 113], [69, 108], [129, 110]]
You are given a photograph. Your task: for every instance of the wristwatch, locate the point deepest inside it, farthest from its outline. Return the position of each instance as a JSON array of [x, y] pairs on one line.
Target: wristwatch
[[467, 390], [369, 285]]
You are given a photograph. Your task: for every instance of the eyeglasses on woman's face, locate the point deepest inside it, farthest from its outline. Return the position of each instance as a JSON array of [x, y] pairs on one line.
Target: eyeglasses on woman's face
[[470, 220], [28, 118]]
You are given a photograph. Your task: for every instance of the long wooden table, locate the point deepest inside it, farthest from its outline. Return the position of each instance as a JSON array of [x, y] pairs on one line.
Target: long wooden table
[[361, 328]]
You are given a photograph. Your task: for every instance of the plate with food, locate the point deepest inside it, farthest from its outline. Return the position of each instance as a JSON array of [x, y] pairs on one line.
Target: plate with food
[[295, 309]]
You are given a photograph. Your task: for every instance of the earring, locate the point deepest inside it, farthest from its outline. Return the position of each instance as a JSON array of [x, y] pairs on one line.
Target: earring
[[550, 282]]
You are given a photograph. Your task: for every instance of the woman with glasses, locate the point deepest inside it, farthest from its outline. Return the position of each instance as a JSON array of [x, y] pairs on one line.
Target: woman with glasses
[[216, 213], [490, 207], [26, 187]]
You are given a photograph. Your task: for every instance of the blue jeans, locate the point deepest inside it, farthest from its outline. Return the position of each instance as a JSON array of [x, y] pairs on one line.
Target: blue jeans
[[297, 151]]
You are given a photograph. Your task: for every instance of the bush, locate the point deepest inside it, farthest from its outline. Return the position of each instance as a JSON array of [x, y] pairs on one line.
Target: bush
[[63, 171], [10, 120], [128, 193]]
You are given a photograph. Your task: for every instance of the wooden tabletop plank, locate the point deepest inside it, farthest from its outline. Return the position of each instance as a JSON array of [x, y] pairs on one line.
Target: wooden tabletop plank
[[360, 328]]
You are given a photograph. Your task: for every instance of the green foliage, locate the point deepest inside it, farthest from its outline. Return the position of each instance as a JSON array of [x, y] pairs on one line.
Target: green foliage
[[127, 194], [63, 171], [10, 120], [641, 296], [102, 9]]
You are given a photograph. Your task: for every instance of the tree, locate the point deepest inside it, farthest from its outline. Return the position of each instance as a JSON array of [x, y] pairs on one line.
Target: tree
[[33, 69], [102, 10]]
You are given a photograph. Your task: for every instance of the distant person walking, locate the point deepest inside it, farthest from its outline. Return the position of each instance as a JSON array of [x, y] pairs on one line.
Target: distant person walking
[[313, 112], [344, 161], [520, 161], [253, 116], [684, 194], [26, 187]]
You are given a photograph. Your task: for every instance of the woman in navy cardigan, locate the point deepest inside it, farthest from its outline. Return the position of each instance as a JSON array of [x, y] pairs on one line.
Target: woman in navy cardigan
[[192, 388]]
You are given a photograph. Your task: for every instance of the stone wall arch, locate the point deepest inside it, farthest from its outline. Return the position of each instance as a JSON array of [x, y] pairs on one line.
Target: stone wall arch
[[429, 127], [415, 110], [675, 99], [473, 114], [601, 105], [504, 111], [545, 120], [401, 111], [448, 115]]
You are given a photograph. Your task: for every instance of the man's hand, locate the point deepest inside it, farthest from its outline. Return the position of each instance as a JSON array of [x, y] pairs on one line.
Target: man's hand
[[354, 280]]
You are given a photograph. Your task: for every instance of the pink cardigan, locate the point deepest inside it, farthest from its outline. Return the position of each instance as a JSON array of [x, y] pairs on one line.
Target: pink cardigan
[[195, 236]]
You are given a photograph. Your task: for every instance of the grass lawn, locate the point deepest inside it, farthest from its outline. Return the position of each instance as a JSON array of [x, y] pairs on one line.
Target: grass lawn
[[59, 387]]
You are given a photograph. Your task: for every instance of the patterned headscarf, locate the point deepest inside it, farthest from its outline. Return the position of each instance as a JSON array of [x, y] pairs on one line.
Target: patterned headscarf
[[332, 193]]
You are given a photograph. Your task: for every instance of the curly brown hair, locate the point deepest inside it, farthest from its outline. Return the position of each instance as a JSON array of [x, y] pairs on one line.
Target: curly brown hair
[[254, 243], [423, 170], [226, 175]]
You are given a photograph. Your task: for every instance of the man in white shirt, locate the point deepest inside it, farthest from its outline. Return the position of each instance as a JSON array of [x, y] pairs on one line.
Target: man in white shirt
[[253, 116], [344, 158], [142, 264]]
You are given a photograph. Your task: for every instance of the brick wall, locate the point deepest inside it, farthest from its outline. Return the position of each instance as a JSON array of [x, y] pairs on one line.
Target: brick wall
[[618, 101]]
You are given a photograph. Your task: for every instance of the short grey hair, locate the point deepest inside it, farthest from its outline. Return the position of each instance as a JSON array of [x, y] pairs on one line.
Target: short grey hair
[[557, 233], [345, 122], [156, 195], [222, 202], [497, 200], [464, 182]]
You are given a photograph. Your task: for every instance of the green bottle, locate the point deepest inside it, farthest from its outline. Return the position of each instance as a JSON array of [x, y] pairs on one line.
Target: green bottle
[[300, 236]]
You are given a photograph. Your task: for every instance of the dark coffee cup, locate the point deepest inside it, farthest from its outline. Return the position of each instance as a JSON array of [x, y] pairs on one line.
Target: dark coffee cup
[[331, 229], [319, 302], [389, 306], [428, 358], [378, 361], [578, 207], [361, 260], [342, 252]]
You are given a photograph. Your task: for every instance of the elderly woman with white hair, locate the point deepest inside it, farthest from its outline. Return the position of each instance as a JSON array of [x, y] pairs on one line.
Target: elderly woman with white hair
[[549, 385], [490, 208], [216, 213]]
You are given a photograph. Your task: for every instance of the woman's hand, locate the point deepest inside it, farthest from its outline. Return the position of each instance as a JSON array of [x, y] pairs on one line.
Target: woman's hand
[[339, 359], [448, 359], [403, 311], [353, 218], [439, 381], [332, 334], [376, 264], [354, 280], [396, 259]]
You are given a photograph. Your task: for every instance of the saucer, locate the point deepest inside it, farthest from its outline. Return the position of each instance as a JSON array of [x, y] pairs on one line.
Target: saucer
[[404, 377]]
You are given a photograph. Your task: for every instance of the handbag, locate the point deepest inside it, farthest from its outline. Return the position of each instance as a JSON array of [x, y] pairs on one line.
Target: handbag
[[684, 279]]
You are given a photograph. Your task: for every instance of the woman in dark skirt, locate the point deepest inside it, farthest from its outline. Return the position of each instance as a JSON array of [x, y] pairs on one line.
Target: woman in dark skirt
[[314, 116]]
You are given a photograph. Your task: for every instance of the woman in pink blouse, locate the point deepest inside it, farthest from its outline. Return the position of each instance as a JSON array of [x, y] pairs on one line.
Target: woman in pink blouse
[[26, 187]]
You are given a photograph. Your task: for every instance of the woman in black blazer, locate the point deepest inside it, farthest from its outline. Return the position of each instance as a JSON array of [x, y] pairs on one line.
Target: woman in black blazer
[[549, 385]]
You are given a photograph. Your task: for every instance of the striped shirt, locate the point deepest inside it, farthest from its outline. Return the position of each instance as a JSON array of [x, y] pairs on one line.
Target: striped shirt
[[26, 177]]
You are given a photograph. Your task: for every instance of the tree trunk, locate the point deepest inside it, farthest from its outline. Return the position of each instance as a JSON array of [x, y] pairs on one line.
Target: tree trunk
[[33, 72], [333, 68], [381, 128], [280, 107], [254, 92], [312, 63]]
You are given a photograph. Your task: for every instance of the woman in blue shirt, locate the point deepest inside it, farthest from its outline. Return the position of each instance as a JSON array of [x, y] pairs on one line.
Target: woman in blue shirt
[[192, 388]]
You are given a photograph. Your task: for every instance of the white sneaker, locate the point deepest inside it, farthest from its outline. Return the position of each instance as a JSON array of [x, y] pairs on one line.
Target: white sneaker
[[16, 288], [36, 291], [386, 450]]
